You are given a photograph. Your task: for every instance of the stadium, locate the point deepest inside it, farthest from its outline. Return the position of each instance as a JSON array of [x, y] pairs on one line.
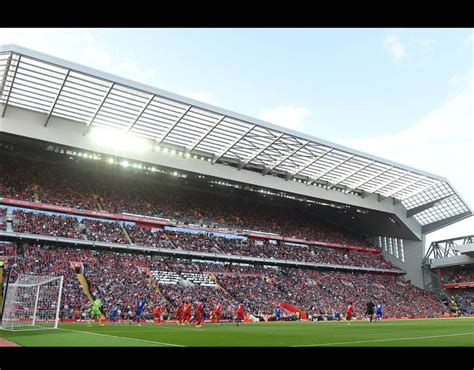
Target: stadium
[[185, 224]]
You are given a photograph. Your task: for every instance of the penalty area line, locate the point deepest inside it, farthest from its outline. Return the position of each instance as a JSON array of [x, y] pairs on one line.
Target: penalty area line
[[117, 337], [381, 340]]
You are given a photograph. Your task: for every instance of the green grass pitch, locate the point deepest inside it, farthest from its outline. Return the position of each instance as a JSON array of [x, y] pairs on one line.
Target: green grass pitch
[[457, 332]]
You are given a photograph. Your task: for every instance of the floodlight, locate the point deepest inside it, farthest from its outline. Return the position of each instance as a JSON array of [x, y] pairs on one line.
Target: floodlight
[[117, 139]]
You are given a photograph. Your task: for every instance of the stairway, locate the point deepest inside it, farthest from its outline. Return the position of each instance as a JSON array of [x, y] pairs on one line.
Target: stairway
[[170, 240], [98, 204], [85, 286], [162, 295], [35, 190], [216, 247], [126, 235], [225, 291]]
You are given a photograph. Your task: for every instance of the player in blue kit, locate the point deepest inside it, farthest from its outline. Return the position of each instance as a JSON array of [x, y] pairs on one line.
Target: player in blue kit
[[140, 307], [277, 314], [114, 313], [378, 311]]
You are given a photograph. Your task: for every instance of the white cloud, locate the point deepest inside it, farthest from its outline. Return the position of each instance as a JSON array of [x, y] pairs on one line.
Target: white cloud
[[441, 142], [289, 116], [80, 46], [469, 41], [202, 96], [395, 47], [130, 68]]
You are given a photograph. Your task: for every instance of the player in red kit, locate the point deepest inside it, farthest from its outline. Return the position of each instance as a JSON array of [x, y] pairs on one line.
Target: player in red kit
[[198, 315], [240, 314], [179, 313], [349, 310], [216, 314], [187, 312], [157, 314]]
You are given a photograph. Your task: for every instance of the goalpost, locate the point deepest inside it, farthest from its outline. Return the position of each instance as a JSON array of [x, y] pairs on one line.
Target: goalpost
[[32, 302]]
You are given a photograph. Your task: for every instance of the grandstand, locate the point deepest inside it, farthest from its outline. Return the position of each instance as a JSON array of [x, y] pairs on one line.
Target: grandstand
[[131, 192]]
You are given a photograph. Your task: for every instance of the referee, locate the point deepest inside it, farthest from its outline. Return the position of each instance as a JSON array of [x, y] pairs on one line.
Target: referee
[[370, 310]]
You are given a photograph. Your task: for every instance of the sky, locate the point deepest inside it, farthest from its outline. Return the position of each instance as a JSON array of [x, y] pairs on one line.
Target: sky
[[401, 94]]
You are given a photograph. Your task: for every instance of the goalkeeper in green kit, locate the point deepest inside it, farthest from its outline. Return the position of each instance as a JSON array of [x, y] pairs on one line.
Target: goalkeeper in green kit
[[95, 312]]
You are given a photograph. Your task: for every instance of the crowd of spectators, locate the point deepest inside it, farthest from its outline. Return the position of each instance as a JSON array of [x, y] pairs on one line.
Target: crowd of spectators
[[3, 222], [122, 280], [465, 298], [16, 180], [148, 237], [46, 224], [109, 232], [113, 232], [7, 249], [134, 192], [50, 261], [459, 275]]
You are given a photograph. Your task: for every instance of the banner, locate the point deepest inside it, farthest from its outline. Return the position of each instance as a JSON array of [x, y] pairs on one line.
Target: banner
[[293, 309], [85, 212], [469, 284], [144, 220]]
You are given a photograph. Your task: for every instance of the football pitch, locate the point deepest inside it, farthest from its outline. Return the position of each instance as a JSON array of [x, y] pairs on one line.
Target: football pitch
[[456, 332]]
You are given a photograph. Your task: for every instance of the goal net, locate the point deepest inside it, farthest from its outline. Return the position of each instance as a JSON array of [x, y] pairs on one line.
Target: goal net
[[32, 302]]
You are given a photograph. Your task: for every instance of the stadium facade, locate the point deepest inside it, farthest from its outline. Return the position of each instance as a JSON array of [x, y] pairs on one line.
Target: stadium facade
[[72, 108]]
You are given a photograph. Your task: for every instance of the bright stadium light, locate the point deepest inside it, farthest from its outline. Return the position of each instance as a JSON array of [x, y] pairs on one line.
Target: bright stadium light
[[187, 155], [124, 163], [118, 140], [111, 160]]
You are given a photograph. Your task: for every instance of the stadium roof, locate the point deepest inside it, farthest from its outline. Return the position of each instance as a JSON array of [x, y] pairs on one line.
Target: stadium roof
[[56, 87]]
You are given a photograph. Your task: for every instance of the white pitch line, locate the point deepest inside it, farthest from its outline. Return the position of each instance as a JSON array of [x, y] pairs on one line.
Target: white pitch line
[[381, 340], [115, 336]]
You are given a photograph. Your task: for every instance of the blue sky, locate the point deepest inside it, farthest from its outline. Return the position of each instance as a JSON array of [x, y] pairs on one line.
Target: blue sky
[[402, 94]]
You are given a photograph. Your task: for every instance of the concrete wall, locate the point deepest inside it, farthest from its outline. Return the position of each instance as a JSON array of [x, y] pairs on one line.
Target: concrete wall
[[414, 254], [452, 261]]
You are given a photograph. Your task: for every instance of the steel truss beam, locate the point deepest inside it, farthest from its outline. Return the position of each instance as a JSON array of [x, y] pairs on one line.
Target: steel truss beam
[[285, 157], [89, 124], [386, 183], [57, 97], [159, 141], [351, 174], [141, 113], [206, 134], [405, 186], [416, 192], [7, 69], [261, 150], [321, 174], [235, 142], [11, 86], [365, 181], [413, 211], [312, 161]]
